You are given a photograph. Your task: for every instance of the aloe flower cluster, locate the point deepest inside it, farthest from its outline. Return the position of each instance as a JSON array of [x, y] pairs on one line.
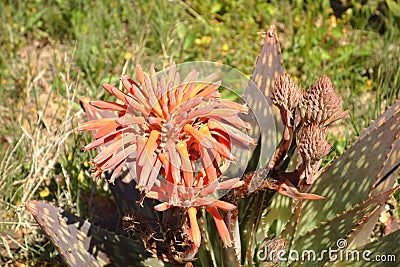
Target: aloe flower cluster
[[176, 136]]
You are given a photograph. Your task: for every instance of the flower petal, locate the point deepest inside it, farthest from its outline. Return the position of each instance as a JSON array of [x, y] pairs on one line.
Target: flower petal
[[140, 75], [116, 92], [171, 96], [144, 177], [161, 207], [135, 106], [95, 124], [116, 172], [133, 88], [171, 74], [224, 205], [234, 121], [231, 131], [140, 144], [206, 201], [175, 160], [223, 112], [207, 159], [230, 184], [290, 190], [202, 138], [186, 164], [150, 147], [221, 226], [189, 105], [93, 113], [211, 90], [194, 226], [155, 170], [108, 151], [166, 166], [108, 105], [203, 84], [153, 77], [152, 99], [223, 149], [129, 120], [233, 105], [106, 129], [105, 139], [189, 87]]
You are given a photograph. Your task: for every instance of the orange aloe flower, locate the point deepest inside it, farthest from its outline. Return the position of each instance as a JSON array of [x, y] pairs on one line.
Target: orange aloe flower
[[176, 137]]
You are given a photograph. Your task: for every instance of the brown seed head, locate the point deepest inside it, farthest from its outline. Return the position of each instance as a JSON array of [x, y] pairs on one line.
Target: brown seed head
[[312, 144], [286, 95], [320, 104]]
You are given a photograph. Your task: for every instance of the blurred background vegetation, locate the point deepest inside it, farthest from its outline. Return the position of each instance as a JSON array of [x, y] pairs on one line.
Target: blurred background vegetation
[[52, 53]]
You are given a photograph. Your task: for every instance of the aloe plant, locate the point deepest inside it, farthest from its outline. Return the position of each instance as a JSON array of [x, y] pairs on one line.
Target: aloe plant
[[317, 208]]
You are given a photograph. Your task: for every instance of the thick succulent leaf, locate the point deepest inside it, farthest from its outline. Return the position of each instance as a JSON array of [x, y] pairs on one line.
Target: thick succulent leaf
[[359, 235], [82, 244], [388, 175], [390, 112], [386, 248], [204, 256], [327, 234], [251, 232], [350, 178], [289, 231], [276, 215], [268, 66]]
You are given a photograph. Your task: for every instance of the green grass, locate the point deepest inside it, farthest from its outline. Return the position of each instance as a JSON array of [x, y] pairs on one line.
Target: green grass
[[52, 53]]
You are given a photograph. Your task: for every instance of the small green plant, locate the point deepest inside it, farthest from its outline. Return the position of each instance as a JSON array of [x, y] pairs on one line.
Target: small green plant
[[162, 127]]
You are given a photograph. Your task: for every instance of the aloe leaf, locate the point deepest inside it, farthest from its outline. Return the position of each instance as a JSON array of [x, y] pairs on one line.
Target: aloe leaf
[[251, 233], [289, 232], [360, 233], [350, 178], [386, 248], [388, 174], [268, 66], [82, 244], [327, 234], [390, 112], [385, 180], [204, 257]]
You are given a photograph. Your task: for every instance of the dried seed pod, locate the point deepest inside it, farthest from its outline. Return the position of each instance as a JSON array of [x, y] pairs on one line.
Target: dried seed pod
[[286, 95], [320, 104], [312, 146]]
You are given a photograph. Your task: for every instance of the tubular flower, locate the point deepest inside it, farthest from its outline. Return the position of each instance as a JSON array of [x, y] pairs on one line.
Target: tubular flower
[[178, 130], [194, 198], [320, 104]]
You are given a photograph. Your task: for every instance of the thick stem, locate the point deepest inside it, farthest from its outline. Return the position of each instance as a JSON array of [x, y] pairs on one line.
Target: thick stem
[[284, 144]]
